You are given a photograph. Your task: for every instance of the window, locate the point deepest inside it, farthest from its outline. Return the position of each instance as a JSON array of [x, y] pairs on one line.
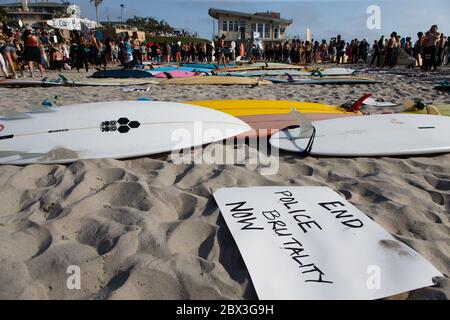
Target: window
[[276, 34], [242, 23], [225, 25], [267, 31], [261, 29], [236, 26], [253, 27]]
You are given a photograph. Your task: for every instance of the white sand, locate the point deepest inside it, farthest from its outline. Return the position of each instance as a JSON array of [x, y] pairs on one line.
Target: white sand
[[149, 229]]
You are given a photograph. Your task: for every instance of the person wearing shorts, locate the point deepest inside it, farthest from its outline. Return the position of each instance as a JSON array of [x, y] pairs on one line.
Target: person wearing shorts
[[221, 51], [32, 52]]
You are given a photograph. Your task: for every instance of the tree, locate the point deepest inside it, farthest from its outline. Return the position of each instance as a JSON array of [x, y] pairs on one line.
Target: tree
[[149, 24], [97, 4]]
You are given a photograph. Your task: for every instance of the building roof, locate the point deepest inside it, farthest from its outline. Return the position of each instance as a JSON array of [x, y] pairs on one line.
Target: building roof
[[215, 13], [36, 4]]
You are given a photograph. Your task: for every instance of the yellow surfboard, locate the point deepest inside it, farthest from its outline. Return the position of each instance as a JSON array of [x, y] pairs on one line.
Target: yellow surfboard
[[240, 108], [268, 116]]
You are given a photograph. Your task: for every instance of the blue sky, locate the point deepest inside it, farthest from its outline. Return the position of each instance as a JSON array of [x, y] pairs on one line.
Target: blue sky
[[324, 18]]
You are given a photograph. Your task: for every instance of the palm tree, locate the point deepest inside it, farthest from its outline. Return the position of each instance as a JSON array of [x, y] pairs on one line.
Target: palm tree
[[97, 4]]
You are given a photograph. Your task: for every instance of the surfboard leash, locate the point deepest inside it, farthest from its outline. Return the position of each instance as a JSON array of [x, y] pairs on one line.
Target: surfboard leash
[[310, 144]]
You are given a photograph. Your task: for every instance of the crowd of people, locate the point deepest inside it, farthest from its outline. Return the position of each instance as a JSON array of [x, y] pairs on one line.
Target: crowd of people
[[431, 49], [82, 52], [30, 47]]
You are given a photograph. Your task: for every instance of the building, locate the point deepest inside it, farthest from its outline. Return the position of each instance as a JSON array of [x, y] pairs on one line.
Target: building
[[267, 26], [116, 30], [31, 13]]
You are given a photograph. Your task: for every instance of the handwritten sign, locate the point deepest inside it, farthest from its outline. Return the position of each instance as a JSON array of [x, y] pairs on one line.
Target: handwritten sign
[[310, 243], [71, 23]]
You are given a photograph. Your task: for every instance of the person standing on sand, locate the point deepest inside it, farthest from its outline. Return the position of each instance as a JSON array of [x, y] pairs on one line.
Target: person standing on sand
[[8, 51], [82, 55], [430, 49], [241, 50], [447, 52], [408, 46], [418, 49], [376, 54], [323, 49], [32, 52], [3, 67], [440, 50], [340, 50], [363, 50], [136, 45], [392, 45], [220, 51]]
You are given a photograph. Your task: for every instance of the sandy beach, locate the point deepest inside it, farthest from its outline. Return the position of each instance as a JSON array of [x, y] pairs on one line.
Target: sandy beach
[[148, 228]]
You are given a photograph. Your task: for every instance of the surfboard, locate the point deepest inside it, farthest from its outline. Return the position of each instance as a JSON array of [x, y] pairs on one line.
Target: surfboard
[[325, 80], [122, 73], [108, 82], [252, 67], [175, 74], [215, 80], [117, 130], [378, 103], [373, 135], [299, 73], [268, 116], [239, 108], [172, 68], [205, 65], [29, 83]]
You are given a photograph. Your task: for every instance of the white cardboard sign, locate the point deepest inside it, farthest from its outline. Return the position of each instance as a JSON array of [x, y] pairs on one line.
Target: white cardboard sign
[[310, 243]]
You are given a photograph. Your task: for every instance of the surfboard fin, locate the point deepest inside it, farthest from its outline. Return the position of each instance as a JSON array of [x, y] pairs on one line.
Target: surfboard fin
[[289, 77], [261, 78], [168, 75], [306, 127], [63, 78], [433, 110], [355, 107], [15, 115], [409, 105], [317, 72]]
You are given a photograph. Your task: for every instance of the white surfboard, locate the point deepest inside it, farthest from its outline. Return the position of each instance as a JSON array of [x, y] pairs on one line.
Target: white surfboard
[[377, 103], [110, 130], [373, 135]]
